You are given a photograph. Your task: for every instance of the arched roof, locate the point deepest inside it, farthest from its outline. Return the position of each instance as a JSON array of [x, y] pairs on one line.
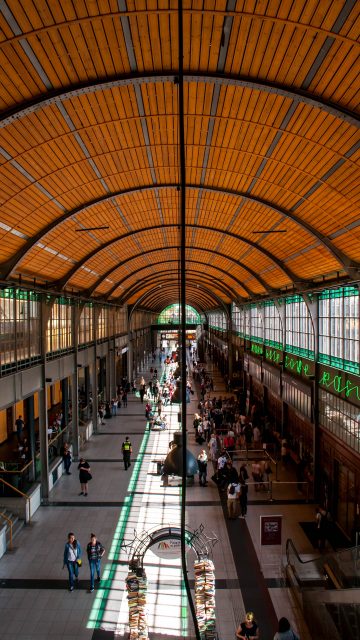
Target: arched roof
[[89, 138]]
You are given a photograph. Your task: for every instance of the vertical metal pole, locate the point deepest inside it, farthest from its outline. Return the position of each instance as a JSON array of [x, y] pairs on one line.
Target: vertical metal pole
[[75, 414], [44, 446], [183, 307]]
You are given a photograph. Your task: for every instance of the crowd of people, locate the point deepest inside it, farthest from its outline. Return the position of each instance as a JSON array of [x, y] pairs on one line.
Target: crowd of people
[[220, 427], [223, 426]]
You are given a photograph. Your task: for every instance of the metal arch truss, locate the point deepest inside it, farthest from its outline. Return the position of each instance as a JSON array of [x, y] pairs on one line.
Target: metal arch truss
[[154, 264], [136, 549], [206, 294], [227, 290], [108, 273], [291, 276], [345, 263], [59, 96]]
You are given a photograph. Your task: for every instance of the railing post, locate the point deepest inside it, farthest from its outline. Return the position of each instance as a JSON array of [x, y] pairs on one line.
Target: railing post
[[270, 491]]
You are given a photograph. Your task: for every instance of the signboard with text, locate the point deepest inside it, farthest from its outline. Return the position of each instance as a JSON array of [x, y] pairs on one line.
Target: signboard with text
[[270, 530], [168, 548]]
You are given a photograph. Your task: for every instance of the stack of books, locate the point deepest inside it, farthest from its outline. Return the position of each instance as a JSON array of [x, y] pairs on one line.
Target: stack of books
[[136, 587], [205, 595]]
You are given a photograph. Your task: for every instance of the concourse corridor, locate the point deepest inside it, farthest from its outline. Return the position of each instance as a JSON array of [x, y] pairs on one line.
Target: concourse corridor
[[34, 597]]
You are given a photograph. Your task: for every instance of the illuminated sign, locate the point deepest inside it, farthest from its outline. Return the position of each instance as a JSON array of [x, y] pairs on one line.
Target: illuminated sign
[[304, 368], [340, 383], [257, 349], [273, 355]]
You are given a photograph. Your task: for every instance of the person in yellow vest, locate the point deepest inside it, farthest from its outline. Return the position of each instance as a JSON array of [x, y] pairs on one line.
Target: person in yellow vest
[[126, 451]]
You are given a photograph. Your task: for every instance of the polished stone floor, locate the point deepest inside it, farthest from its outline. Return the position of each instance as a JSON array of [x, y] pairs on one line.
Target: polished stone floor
[[35, 602]]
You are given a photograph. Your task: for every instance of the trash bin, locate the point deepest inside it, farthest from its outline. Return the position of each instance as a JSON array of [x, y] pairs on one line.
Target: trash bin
[[159, 466]]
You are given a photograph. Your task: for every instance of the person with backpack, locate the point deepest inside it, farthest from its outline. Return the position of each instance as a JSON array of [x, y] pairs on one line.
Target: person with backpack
[[233, 496], [95, 552]]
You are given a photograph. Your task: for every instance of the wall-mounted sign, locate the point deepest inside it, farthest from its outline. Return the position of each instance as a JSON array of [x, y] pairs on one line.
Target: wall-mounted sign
[[340, 383], [273, 355], [270, 530], [168, 548], [124, 350], [257, 349], [300, 366]]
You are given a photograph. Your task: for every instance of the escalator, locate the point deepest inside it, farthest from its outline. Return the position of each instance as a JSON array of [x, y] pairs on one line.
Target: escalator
[[327, 589]]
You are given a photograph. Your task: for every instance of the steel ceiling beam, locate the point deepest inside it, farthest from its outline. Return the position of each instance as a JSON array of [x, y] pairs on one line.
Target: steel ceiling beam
[[108, 273], [292, 277], [209, 294], [154, 264], [226, 289], [7, 268], [104, 84]]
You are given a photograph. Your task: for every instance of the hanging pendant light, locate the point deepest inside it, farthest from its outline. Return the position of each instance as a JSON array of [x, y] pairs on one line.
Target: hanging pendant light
[[173, 462]]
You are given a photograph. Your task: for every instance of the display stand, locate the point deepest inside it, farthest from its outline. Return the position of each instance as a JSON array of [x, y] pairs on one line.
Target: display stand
[[205, 596], [136, 585]]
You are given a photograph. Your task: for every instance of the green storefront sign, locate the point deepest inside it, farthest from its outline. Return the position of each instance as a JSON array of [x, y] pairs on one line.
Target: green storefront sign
[[273, 355], [340, 383], [257, 349], [299, 366]]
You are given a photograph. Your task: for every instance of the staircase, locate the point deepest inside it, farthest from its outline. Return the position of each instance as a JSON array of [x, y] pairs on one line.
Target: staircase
[[13, 524]]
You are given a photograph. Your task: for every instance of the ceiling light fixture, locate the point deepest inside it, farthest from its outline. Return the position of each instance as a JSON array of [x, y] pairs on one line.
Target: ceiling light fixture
[[271, 231], [91, 229]]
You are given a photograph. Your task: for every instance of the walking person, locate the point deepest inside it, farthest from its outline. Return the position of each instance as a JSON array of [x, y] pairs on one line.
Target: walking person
[[95, 552], [66, 456], [72, 559], [202, 465], [19, 423], [124, 398], [285, 631], [243, 498], [321, 519], [233, 496], [84, 476], [248, 630], [126, 451]]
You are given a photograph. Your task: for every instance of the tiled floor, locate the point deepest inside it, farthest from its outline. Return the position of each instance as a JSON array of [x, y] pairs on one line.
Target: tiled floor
[[34, 600]]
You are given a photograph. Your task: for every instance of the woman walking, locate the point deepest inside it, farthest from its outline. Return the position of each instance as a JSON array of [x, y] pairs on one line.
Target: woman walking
[[248, 630], [95, 552], [72, 559], [84, 476]]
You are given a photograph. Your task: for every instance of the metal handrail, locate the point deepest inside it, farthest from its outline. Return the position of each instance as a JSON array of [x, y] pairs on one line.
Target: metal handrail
[[2, 515], [23, 495], [289, 543], [17, 471]]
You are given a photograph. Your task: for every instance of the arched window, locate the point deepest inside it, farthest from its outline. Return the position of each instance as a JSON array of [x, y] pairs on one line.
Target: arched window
[[171, 315]]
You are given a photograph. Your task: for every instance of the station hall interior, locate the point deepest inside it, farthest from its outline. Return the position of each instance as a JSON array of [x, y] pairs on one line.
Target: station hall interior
[[179, 191]]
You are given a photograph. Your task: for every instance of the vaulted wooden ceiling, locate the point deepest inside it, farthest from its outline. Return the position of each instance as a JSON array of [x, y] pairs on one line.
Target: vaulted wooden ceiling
[[89, 138]]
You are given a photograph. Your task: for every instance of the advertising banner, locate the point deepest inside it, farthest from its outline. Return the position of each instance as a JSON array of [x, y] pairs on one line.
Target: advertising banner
[[168, 548]]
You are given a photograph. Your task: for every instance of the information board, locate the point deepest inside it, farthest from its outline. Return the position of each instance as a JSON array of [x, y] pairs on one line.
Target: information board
[[270, 530]]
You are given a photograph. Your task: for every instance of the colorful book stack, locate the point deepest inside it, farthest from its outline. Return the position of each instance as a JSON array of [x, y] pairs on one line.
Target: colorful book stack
[[136, 587], [205, 595], [142, 626]]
